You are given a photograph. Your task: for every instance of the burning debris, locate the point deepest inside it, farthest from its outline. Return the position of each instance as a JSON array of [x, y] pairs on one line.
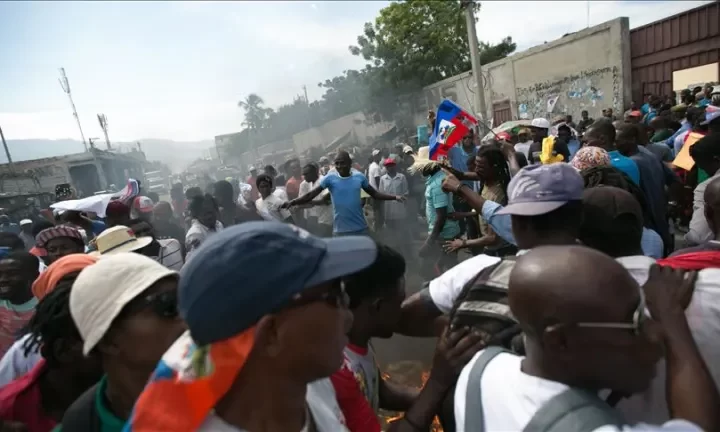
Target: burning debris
[[412, 374]]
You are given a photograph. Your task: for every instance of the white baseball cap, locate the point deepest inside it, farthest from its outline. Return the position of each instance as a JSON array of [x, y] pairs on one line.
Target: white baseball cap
[[103, 289], [25, 222], [540, 123]]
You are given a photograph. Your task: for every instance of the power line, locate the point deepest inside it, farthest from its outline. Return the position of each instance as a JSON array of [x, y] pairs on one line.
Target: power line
[[65, 84]]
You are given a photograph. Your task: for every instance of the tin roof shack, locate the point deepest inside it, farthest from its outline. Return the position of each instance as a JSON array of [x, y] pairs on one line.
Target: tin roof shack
[[687, 43], [87, 174]]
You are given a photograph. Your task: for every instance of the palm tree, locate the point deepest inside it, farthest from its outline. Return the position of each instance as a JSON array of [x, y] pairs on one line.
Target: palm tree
[[255, 114]]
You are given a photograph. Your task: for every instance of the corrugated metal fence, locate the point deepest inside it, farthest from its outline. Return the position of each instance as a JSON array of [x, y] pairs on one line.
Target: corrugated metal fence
[[682, 41]]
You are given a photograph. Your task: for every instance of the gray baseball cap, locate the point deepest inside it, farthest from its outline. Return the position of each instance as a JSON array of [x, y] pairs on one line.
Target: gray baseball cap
[[539, 189]]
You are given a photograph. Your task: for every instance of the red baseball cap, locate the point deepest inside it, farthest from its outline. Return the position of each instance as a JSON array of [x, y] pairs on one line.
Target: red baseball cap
[[389, 161]]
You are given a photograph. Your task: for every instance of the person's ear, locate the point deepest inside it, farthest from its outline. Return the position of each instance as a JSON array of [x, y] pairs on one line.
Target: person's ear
[[555, 339], [268, 334]]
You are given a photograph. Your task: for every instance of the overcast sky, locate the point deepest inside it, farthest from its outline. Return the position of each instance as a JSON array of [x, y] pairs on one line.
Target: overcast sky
[[177, 69]]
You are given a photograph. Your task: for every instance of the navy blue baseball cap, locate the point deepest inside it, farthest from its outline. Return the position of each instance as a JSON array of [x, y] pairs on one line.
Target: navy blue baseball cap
[[249, 270], [539, 189]]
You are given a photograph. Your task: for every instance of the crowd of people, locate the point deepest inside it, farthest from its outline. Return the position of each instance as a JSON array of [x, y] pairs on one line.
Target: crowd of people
[[553, 283]]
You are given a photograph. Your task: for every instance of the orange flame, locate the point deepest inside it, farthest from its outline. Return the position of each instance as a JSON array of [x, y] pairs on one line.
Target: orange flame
[[435, 426]]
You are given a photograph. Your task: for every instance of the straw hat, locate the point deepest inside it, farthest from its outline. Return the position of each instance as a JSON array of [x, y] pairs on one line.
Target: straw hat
[[422, 159], [119, 239]]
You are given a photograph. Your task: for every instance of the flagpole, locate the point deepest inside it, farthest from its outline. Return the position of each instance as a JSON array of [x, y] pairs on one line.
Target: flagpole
[[475, 60]]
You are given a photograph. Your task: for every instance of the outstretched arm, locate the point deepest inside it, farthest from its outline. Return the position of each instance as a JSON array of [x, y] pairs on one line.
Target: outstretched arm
[[382, 196], [305, 199]]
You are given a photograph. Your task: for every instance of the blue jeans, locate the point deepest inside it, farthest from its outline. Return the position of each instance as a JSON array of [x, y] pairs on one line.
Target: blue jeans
[[365, 232]]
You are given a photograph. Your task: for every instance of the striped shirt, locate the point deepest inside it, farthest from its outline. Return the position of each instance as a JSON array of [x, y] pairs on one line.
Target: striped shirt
[[170, 254], [13, 319]]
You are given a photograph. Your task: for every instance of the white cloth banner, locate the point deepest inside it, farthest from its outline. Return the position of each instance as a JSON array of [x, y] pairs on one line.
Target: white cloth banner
[[96, 204]]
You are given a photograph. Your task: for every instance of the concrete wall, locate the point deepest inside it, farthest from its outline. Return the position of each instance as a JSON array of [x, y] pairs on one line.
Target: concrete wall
[[363, 132], [587, 70]]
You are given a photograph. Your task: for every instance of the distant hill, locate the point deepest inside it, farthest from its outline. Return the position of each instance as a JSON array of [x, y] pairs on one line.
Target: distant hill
[[176, 154]]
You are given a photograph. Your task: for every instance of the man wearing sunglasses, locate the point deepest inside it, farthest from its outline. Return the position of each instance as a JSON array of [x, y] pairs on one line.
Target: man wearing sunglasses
[[587, 331], [125, 308]]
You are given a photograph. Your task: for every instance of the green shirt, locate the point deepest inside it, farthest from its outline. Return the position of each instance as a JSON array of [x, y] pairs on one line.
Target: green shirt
[[108, 421], [436, 198]]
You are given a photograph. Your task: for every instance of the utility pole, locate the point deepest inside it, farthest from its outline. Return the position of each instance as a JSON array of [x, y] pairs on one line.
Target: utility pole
[[65, 84], [307, 104], [480, 108], [7, 151], [102, 119]]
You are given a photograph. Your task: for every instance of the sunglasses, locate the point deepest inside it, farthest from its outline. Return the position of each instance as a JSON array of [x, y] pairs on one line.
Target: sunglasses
[[640, 316], [163, 304], [336, 296]]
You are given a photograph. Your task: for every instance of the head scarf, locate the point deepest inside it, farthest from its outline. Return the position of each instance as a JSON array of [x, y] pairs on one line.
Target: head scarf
[[48, 234], [590, 157], [188, 383], [48, 280]]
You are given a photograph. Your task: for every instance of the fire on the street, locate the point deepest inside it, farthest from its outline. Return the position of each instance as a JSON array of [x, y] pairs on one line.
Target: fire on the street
[[389, 417]]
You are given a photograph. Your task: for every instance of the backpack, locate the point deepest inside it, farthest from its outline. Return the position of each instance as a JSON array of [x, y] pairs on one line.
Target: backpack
[[82, 415], [572, 410], [482, 304]]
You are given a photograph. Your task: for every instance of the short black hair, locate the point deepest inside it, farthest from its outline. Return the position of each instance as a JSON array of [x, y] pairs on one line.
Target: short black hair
[[604, 128], [619, 239], [707, 148], [378, 280], [197, 203], [312, 166], [52, 321], [269, 169], [223, 189], [12, 241], [193, 192], [610, 176], [29, 263], [263, 178], [40, 225]]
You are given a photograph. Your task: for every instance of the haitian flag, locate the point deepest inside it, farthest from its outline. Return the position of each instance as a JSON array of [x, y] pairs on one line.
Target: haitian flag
[[452, 123]]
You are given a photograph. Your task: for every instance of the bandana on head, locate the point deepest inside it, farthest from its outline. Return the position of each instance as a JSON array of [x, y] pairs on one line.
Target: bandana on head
[[590, 157], [48, 280]]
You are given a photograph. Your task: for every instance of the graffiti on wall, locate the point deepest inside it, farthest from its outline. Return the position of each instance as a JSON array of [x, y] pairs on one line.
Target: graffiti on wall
[[590, 90]]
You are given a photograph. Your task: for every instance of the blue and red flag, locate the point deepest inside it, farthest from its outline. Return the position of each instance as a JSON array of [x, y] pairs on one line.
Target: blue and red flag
[[452, 123], [128, 193]]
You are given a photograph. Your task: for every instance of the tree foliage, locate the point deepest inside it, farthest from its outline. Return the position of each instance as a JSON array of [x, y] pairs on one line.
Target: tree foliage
[[256, 115], [410, 45], [416, 42]]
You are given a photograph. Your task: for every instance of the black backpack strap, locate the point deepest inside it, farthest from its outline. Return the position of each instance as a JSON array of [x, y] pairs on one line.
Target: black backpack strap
[[82, 415], [574, 410], [474, 419]]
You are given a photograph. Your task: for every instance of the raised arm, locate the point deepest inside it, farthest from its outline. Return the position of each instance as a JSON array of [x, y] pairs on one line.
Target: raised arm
[[381, 196], [305, 199]]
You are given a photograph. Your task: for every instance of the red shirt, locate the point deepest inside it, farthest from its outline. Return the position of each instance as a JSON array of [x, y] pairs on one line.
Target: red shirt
[[21, 401], [353, 402], [292, 187]]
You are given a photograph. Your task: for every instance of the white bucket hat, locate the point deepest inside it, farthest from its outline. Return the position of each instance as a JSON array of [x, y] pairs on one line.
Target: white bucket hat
[[103, 289], [119, 239]]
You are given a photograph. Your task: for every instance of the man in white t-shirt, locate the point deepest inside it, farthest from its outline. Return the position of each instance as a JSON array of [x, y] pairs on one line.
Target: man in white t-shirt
[[549, 212], [318, 215], [586, 330], [270, 202]]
